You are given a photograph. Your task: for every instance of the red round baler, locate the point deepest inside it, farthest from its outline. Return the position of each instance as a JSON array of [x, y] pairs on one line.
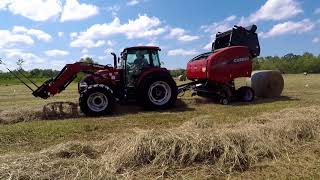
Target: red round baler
[[213, 73]]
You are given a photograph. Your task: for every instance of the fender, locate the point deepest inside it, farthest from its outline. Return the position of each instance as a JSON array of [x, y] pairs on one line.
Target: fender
[[150, 71]]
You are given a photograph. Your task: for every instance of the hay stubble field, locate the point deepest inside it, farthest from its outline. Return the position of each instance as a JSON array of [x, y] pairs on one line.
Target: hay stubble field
[[270, 138]]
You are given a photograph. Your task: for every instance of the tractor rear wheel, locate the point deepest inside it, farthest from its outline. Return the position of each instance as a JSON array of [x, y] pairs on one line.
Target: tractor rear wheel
[[245, 94], [158, 92], [96, 100]]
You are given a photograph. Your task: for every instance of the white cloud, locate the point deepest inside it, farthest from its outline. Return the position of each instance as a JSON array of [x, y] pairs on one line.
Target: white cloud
[[85, 51], [87, 43], [114, 10], [110, 43], [208, 46], [9, 39], [289, 27], [4, 4], [142, 27], [37, 10], [73, 35], [276, 10], [40, 35], [182, 52], [56, 52], [133, 2], [60, 34], [316, 40], [216, 27], [220, 26], [109, 50], [317, 11], [29, 58], [231, 18], [73, 10], [180, 34], [152, 44]]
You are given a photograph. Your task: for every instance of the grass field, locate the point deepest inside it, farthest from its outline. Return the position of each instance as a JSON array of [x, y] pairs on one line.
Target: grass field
[[119, 146]]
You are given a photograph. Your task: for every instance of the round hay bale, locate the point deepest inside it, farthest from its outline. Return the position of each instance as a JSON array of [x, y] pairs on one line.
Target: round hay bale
[[267, 83]]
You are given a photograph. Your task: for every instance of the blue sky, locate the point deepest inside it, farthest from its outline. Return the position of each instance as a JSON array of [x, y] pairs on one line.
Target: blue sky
[[51, 33]]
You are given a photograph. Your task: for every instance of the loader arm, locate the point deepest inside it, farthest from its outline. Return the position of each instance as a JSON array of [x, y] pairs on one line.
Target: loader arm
[[56, 85]]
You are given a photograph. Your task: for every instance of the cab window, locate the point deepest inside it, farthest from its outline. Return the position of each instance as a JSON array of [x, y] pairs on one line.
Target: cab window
[[155, 58]]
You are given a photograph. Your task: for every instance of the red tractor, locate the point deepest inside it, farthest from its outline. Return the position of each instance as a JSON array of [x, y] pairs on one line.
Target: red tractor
[[137, 75]]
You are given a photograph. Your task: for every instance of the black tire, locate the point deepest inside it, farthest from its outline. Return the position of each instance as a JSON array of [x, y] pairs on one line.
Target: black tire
[[84, 83], [225, 95], [96, 100], [245, 94], [224, 101], [158, 92]]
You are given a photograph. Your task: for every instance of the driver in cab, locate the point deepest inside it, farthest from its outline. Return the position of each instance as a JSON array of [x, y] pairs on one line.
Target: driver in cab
[[140, 62]]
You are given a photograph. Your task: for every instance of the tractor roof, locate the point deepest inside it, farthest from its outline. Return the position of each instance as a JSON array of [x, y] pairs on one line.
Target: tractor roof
[[143, 48]]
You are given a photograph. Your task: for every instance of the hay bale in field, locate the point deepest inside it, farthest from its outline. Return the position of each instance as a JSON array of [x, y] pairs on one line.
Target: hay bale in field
[[267, 83]]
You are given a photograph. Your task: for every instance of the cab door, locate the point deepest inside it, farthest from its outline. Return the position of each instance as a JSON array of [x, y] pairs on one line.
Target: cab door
[[136, 62]]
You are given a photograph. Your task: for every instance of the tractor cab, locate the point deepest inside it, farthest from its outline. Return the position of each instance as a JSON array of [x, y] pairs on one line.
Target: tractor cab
[[135, 61]]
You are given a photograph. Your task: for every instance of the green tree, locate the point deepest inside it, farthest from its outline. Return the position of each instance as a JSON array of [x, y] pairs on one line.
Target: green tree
[[20, 63], [87, 60]]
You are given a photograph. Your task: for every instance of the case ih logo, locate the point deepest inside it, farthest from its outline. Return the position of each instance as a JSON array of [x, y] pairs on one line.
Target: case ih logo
[[239, 60]]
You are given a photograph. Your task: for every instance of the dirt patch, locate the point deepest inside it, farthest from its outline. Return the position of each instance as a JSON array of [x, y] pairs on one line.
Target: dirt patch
[[60, 110], [51, 111]]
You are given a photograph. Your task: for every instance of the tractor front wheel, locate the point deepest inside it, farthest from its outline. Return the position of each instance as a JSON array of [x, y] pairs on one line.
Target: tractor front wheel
[[158, 92], [96, 100]]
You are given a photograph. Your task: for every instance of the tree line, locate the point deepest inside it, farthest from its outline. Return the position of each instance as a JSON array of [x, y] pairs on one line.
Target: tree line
[[38, 75], [289, 64]]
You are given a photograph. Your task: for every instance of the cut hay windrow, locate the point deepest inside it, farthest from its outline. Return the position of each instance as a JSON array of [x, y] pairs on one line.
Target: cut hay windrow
[[233, 147]]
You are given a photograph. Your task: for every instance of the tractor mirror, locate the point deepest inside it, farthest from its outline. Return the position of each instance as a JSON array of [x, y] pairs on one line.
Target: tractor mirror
[[162, 63]]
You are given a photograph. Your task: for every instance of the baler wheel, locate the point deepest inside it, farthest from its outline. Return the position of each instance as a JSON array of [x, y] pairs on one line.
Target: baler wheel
[[225, 95], [96, 100], [245, 94], [224, 101]]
